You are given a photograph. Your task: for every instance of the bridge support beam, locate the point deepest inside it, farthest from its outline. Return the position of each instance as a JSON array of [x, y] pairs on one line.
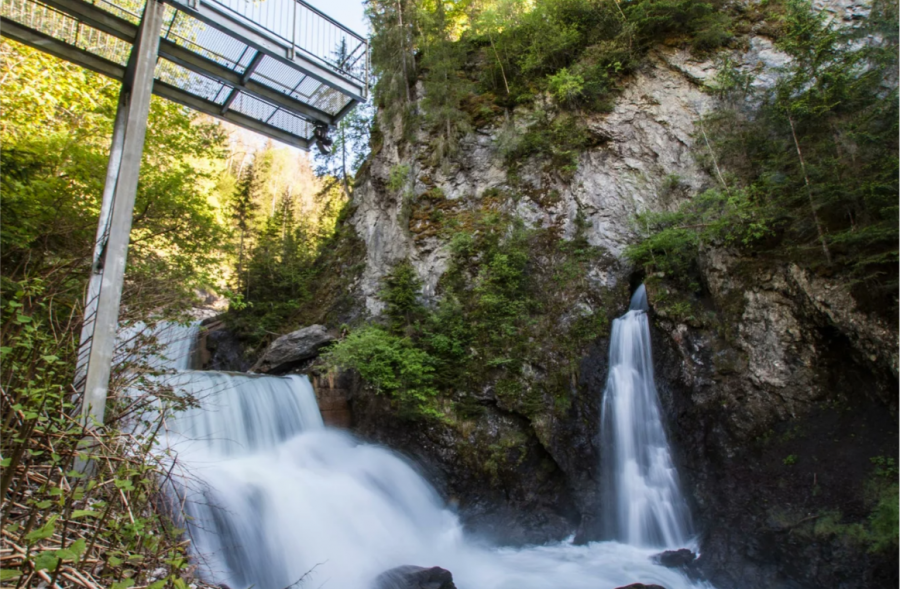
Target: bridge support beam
[[98, 336]]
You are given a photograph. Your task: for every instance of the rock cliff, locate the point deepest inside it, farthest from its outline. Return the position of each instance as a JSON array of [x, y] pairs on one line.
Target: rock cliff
[[779, 390]]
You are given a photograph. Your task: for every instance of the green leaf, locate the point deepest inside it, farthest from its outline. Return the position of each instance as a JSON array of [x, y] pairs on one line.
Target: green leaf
[[123, 584], [43, 532], [79, 513], [7, 574], [115, 561], [46, 561], [157, 584], [78, 546], [125, 485], [65, 554]]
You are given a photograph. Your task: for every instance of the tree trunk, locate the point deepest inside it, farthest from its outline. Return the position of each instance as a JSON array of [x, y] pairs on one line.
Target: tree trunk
[[812, 206], [403, 50]]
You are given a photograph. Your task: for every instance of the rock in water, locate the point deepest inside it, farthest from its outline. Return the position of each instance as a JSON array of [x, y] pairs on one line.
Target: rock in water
[[674, 559], [641, 586], [413, 577], [289, 350]]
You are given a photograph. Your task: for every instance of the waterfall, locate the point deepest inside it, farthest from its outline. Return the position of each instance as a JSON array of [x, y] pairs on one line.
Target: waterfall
[[174, 344], [643, 505], [269, 495]]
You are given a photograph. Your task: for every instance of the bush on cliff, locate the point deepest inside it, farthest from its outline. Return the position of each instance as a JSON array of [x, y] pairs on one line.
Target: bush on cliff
[[494, 307], [810, 173]]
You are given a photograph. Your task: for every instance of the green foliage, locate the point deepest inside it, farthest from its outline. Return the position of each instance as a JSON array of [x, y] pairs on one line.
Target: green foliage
[[509, 52], [879, 531], [706, 24], [54, 166], [283, 217], [884, 521], [401, 295], [399, 177], [790, 460], [393, 365], [885, 467], [566, 87], [670, 240], [559, 141], [810, 173], [494, 303]]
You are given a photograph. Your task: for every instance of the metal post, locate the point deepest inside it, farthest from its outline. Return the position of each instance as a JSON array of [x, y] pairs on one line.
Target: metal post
[[293, 31], [136, 102], [93, 293]]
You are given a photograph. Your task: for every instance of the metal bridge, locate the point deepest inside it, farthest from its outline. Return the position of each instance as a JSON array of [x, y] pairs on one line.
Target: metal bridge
[[278, 67]]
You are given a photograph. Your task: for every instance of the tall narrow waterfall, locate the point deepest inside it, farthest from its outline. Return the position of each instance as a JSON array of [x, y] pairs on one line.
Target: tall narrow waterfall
[[270, 495], [642, 500]]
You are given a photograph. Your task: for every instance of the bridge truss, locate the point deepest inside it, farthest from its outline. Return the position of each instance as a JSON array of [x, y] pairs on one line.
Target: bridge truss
[[277, 67]]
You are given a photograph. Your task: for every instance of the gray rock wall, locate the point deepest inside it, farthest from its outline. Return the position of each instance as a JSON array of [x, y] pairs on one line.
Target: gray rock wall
[[783, 363]]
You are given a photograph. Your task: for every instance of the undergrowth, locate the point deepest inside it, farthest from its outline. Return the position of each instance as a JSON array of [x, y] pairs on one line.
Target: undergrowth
[[494, 322]]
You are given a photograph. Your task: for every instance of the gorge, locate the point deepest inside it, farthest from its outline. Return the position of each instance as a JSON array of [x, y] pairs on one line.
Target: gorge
[[585, 283], [270, 497]]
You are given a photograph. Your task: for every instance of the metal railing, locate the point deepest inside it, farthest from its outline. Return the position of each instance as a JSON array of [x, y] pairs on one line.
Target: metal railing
[[264, 83], [308, 30]]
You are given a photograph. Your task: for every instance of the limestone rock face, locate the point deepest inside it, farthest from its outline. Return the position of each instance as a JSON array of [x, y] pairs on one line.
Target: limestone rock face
[[777, 402], [643, 161], [289, 350], [777, 394]]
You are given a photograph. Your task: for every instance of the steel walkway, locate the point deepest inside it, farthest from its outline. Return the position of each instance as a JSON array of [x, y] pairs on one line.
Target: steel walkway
[[277, 67]]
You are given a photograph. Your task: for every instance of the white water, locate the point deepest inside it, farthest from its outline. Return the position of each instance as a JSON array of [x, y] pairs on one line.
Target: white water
[[270, 494], [172, 349], [643, 504]]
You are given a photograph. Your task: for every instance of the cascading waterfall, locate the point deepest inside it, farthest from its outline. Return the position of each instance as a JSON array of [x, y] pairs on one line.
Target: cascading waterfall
[[642, 500], [270, 495]]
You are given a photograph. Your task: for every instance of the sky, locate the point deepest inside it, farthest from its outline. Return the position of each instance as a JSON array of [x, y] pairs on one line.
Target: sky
[[347, 12]]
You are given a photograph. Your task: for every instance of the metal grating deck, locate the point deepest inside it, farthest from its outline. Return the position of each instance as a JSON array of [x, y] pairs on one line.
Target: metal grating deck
[[277, 67]]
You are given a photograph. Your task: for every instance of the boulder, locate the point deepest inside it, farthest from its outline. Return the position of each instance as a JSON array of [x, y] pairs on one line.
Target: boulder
[[289, 350], [413, 577], [674, 559]]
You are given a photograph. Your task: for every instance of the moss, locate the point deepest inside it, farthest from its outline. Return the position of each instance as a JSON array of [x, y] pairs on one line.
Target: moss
[[509, 451], [876, 532], [556, 141]]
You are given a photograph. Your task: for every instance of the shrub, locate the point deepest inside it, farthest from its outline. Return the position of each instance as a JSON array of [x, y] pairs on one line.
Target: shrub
[[393, 365], [566, 87], [398, 178], [401, 295], [884, 521]]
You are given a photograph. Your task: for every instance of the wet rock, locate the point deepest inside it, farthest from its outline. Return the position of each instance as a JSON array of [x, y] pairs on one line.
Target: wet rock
[[674, 559], [523, 498], [413, 577], [641, 586], [289, 350], [220, 349]]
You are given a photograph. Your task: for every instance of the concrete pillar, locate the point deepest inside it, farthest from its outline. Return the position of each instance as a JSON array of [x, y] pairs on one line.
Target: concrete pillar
[[113, 231]]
